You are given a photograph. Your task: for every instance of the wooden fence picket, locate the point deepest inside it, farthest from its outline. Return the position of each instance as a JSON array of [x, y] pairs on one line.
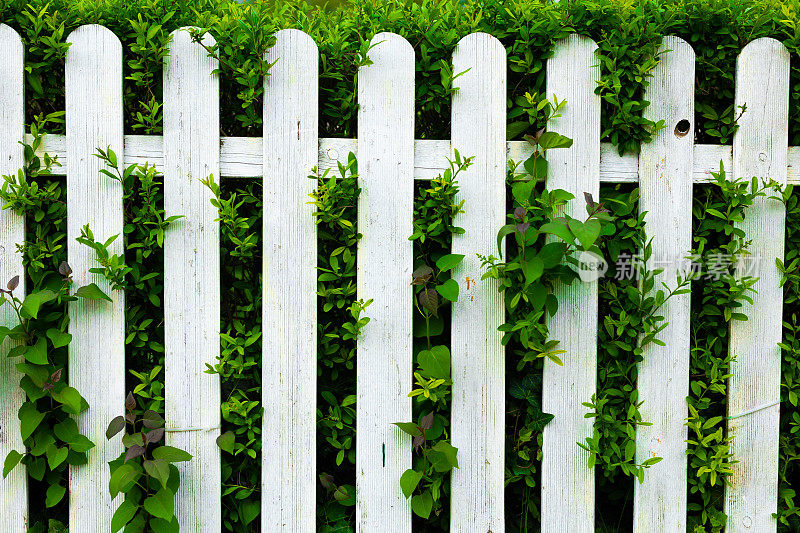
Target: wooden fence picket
[[192, 277], [14, 488], [385, 213], [478, 357], [289, 348], [760, 150], [97, 351], [567, 481], [665, 185]]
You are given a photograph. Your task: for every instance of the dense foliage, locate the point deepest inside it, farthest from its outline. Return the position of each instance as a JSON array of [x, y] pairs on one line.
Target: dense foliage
[[627, 32]]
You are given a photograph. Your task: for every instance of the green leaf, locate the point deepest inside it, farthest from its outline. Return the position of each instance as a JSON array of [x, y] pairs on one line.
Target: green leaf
[[448, 290], [66, 430], [449, 261], [92, 292], [409, 481], [552, 253], [558, 229], [550, 139], [161, 504], [171, 455], [73, 402], [54, 494], [533, 269], [522, 191], [12, 460], [514, 129], [123, 478], [34, 301], [226, 441], [422, 504], [4, 332], [248, 511], [506, 230], [409, 427], [81, 443], [124, 513], [158, 469], [159, 525], [58, 337], [56, 456], [345, 495], [449, 451], [538, 421], [435, 363], [30, 419], [37, 354], [586, 232]]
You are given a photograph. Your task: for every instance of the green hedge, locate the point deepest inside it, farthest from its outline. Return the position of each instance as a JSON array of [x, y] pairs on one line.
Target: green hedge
[[627, 32]]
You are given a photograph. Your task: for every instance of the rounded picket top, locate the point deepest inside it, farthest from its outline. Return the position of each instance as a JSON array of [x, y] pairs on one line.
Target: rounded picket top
[[10, 39], [391, 49], [182, 38], [763, 47], [474, 42], [292, 38], [577, 44], [94, 38]]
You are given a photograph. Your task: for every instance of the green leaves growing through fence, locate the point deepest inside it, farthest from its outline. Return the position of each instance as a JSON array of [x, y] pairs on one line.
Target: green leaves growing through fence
[[240, 218], [788, 514], [144, 472], [340, 320], [542, 247], [51, 437], [435, 213], [717, 299]]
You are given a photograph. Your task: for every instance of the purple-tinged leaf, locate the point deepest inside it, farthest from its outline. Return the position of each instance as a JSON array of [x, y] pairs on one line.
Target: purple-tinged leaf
[[134, 452]]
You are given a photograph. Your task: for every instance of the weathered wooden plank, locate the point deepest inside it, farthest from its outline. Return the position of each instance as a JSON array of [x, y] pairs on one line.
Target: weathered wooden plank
[[385, 212], [97, 351], [192, 277], [478, 366], [759, 149], [567, 482], [14, 488], [665, 184], [240, 157], [289, 349]]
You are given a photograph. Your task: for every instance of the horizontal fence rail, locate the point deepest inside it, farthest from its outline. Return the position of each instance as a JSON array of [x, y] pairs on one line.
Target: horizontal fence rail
[[240, 157], [389, 161]]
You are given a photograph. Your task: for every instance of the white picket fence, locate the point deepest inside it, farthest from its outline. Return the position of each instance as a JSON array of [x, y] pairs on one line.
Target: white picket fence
[[389, 160]]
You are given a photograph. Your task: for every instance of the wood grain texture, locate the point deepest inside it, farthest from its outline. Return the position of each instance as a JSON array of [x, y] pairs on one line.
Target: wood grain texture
[[385, 211], [567, 482], [289, 303], [192, 278], [759, 149], [14, 488], [478, 365], [240, 157], [97, 351], [665, 185]]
